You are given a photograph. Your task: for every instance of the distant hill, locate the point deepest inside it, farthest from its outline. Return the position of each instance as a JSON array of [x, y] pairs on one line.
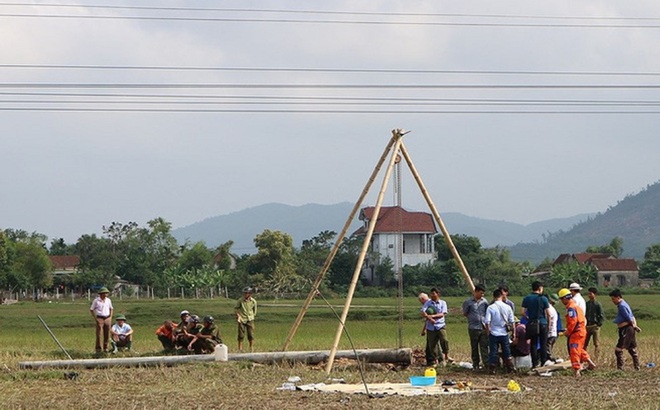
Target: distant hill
[[636, 219], [306, 221]]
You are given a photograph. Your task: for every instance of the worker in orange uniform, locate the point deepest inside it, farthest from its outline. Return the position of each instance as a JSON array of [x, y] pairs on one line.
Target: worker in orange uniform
[[576, 332]]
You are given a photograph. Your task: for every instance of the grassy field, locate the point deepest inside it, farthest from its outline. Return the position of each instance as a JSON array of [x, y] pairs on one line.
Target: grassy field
[[372, 323]]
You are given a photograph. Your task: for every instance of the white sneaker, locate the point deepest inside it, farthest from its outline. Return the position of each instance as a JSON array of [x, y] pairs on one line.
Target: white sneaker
[[559, 361], [548, 363]]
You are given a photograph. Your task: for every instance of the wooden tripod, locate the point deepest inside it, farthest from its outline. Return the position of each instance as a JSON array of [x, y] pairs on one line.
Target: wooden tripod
[[394, 146]]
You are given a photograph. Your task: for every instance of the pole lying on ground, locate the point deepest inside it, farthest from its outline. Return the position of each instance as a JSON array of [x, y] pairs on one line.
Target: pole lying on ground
[[54, 338], [396, 356]]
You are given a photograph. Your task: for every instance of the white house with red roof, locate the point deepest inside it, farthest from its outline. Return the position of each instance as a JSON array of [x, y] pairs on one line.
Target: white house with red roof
[[415, 229]]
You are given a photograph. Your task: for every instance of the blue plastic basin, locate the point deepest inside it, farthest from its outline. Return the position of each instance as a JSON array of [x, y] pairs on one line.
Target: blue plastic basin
[[422, 380]]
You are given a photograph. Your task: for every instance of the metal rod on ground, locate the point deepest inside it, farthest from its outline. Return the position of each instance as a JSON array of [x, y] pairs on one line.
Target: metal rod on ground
[[336, 246], [436, 215], [396, 134], [54, 338]]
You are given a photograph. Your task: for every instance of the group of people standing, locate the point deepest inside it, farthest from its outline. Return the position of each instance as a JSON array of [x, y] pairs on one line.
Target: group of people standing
[[191, 334], [497, 336]]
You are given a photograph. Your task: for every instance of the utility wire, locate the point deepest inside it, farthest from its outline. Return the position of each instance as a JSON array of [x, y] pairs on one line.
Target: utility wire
[[328, 12], [328, 86], [347, 98], [336, 103], [328, 111], [327, 70], [316, 21]]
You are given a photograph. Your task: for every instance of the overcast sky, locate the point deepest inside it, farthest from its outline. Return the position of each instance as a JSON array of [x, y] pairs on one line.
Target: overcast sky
[[70, 163]]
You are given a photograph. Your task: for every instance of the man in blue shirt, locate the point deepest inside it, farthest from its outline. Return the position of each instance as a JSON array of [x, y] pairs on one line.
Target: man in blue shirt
[[536, 308], [434, 311], [627, 327]]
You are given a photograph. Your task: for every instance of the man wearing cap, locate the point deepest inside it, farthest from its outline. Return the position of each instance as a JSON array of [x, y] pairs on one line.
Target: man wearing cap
[[595, 319], [246, 310], [575, 289], [576, 332], [181, 330], [207, 338], [627, 327], [101, 310], [122, 334]]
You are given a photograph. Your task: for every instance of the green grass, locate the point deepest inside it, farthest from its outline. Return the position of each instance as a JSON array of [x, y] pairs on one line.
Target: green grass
[[372, 323]]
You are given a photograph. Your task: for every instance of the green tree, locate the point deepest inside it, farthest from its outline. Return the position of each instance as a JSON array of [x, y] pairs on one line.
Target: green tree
[[343, 264], [195, 257], [312, 255], [32, 262], [650, 267], [59, 247], [614, 248], [275, 259], [564, 274]]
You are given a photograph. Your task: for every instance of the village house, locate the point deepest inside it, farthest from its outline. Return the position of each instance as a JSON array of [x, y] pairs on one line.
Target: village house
[[415, 230], [610, 271]]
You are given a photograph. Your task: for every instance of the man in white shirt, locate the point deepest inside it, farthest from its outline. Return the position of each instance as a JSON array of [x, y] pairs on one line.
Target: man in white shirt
[[553, 317], [498, 316], [575, 289], [122, 334], [101, 311]]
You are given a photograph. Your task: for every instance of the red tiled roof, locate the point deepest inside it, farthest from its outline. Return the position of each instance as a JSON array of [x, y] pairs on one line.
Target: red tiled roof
[[62, 262], [615, 265], [590, 257], [397, 219]]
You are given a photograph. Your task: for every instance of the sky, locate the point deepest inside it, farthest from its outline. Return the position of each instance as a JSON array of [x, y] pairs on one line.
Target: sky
[[517, 110]]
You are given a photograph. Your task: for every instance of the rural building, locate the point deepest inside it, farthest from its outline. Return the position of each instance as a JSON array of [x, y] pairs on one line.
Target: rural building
[[415, 230], [610, 271]]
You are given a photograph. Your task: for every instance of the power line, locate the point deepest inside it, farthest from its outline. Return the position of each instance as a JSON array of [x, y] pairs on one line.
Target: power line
[[383, 102], [329, 12], [326, 86], [316, 21], [271, 99], [324, 98], [289, 111], [328, 70]]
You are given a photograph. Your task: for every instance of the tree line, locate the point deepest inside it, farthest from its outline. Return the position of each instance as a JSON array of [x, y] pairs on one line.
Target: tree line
[[151, 257]]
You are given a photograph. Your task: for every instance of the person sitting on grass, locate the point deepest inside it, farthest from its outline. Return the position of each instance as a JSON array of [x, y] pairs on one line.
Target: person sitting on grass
[[207, 338], [121, 334], [165, 335]]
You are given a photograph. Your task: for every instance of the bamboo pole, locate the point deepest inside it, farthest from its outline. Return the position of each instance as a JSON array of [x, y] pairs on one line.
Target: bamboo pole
[[336, 246], [436, 215], [396, 135]]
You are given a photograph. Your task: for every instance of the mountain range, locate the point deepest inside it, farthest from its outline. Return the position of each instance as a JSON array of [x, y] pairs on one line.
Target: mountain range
[[636, 219], [306, 221]]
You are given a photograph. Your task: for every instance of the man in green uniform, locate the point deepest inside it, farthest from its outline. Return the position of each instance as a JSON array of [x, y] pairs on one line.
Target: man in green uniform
[[595, 318], [246, 310], [207, 338]]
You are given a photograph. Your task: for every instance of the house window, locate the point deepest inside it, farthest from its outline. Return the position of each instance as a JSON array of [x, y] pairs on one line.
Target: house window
[[606, 280], [621, 280]]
